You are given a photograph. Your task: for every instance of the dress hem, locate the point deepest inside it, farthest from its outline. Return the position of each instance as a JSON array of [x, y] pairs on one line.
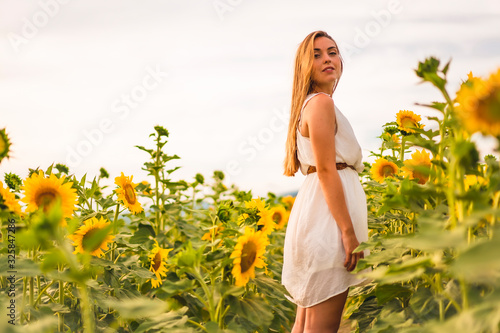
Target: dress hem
[[357, 283]]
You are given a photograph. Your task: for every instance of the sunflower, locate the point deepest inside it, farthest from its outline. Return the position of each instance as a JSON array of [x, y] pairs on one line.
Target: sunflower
[[408, 121], [256, 204], [383, 168], [479, 104], [158, 266], [43, 192], [8, 199], [280, 216], [4, 145], [248, 253], [126, 193], [265, 222], [419, 159], [288, 201], [471, 180], [83, 235]]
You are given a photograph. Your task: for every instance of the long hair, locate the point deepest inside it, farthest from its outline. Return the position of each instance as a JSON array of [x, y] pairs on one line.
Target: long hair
[[302, 86]]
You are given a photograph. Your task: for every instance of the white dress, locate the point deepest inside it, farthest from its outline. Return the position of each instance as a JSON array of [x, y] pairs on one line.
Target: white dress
[[313, 261]]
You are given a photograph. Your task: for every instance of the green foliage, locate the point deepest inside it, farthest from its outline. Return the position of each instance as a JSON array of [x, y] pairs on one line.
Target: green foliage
[[61, 290], [432, 245], [171, 267]]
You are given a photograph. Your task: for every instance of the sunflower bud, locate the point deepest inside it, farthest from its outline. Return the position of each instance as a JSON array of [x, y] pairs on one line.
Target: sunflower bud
[[4, 145], [13, 181]]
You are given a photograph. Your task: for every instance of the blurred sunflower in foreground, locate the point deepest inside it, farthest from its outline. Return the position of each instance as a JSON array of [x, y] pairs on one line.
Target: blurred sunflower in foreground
[[157, 259], [479, 104], [44, 192], [416, 167], [248, 253], [126, 193], [93, 237]]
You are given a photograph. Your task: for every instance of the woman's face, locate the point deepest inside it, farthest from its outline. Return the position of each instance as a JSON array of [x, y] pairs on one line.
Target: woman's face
[[327, 67]]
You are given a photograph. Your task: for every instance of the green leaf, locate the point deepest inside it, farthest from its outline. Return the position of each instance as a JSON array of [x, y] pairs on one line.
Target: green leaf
[[386, 293], [171, 288], [166, 322], [479, 264], [424, 303], [144, 233], [139, 307], [253, 308]]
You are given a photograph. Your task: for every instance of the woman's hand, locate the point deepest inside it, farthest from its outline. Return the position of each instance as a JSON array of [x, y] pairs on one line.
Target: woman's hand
[[350, 244]]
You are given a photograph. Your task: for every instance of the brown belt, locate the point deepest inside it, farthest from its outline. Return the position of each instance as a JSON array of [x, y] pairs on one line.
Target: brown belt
[[340, 166]]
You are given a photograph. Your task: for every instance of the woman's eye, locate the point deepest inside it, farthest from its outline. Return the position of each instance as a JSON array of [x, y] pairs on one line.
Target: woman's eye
[[316, 55], [333, 53]]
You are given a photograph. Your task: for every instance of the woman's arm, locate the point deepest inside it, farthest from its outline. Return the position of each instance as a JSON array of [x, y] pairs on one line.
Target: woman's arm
[[319, 118]]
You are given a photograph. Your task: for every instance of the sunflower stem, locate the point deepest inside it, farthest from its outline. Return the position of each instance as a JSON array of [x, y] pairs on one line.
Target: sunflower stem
[[159, 222], [208, 294], [88, 323], [402, 152], [22, 315], [197, 325], [115, 231], [61, 301], [43, 291]]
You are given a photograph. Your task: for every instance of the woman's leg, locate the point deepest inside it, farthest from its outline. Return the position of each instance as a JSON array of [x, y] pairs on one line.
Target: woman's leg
[[300, 320], [325, 317]]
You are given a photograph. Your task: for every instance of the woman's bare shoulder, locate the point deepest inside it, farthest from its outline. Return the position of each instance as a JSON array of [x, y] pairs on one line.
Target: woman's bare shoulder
[[320, 104]]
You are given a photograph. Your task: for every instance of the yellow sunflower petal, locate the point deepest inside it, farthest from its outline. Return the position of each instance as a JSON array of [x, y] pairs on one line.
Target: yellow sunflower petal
[[126, 193], [288, 201], [248, 254], [43, 192], [158, 266], [280, 216], [8, 199], [266, 222], [81, 236], [408, 121], [383, 168], [479, 104], [418, 159]]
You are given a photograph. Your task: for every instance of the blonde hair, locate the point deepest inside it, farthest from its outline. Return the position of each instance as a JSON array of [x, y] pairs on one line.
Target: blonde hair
[[303, 85]]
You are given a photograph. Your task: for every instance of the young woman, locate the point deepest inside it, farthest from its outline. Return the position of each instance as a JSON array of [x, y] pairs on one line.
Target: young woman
[[329, 217]]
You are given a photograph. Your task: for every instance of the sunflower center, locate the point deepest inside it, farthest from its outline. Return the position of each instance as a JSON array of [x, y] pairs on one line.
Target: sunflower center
[[86, 244], [387, 170], [45, 199], [129, 194], [489, 107], [277, 217], [248, 256], [408, 122], [422, 179], [157, 261]]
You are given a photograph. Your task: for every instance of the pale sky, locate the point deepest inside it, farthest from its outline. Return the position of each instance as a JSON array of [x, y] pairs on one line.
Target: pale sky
[[83, 82]]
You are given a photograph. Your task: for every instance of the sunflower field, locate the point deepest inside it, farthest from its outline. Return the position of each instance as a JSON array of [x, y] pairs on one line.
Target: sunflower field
[[204, 256]]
